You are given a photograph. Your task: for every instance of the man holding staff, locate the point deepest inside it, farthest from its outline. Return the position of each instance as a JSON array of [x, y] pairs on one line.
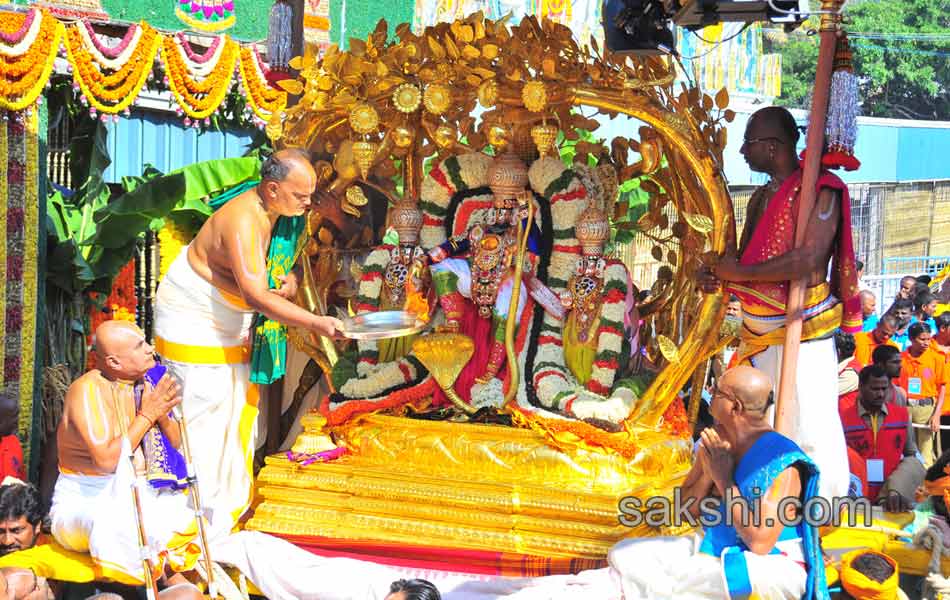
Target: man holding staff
[[758, 272]]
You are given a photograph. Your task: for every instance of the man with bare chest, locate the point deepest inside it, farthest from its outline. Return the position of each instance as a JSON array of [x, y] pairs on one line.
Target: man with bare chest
[[205, 309], [758, 273]]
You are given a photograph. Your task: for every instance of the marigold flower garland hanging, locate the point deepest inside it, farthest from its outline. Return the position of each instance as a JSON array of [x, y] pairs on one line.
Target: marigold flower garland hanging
[[111, 84], [199, 99], [28, 46], [263, 99]]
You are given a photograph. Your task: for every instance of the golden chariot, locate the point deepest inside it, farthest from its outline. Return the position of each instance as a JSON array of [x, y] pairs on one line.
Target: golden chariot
[[426, 449]]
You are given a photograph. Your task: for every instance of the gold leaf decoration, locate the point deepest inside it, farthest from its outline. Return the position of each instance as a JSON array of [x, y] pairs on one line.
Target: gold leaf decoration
[[355, 196], [722, 98], [488, 93], [700, 223], [667, 348]]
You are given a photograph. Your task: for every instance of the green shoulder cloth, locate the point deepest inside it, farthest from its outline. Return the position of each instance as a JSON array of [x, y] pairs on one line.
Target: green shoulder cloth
[[269, 353]]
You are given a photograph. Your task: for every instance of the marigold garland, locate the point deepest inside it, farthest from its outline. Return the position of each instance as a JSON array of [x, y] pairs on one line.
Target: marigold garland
[[24, 75], [186, 89], [111, 77], [111, 93], [171, 239], [263, 99]]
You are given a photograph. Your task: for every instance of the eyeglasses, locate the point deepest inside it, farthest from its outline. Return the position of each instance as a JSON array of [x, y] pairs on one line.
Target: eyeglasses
[[749, 141]]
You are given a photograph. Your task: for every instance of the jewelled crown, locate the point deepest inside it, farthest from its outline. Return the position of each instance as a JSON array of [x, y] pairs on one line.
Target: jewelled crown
[[592, 230], [406, 219], [507, 178]]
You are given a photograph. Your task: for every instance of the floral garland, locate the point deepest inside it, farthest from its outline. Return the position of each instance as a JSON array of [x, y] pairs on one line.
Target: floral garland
[[29, 50], [171, 239], [416, 396], [111, 57], [113, 92], [198, 98], [19, 154], [263, 99], [367, 300], [194, 57], [383, 377]]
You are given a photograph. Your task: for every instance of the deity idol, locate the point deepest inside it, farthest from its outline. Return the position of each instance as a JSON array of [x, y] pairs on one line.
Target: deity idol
[[388, 283], [478, 269]]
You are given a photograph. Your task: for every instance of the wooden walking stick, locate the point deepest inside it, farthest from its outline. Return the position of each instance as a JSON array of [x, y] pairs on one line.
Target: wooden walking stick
[[785, 407]]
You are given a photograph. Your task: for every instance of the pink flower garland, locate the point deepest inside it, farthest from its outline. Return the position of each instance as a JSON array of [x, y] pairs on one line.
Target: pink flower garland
[[12, 39], [106, 50], [308, 459], [195, 57]]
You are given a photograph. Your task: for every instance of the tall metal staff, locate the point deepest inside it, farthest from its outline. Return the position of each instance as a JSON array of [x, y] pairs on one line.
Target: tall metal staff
[[151, 586], [196, 501]]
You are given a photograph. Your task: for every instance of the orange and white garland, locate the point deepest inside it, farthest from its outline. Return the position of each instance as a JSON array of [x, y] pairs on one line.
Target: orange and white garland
[[262, 98], [110, 85], [199, 89], [110, 79], [28, 46]]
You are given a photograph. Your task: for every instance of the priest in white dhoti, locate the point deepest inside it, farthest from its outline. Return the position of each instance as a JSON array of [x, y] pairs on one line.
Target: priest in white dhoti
[[221, 317], [115, 430]]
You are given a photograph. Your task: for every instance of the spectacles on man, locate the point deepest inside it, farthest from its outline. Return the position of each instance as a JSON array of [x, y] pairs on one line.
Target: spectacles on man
[[750, 141]]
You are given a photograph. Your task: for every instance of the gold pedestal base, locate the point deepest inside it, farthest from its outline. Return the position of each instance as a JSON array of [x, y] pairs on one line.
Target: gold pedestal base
[[459, 485]]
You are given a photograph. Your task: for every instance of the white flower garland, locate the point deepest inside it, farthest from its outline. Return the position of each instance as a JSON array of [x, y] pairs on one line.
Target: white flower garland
[[119, 61], [491, 394], [544, 171], [473, 168], [384, 377], [200, 70], [27, 42]]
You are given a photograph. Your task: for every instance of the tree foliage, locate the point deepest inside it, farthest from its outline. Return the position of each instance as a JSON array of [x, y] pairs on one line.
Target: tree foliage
[[899, 77]]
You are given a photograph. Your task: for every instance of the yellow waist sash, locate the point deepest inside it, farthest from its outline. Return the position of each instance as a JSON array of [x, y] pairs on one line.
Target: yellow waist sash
[[201, 355]]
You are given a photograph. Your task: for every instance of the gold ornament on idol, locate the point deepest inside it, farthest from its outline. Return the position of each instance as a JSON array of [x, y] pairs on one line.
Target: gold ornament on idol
[[407, 98]]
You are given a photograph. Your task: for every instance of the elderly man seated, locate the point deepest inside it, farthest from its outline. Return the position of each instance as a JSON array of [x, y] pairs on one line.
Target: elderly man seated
[[881, 433], [742, 458]]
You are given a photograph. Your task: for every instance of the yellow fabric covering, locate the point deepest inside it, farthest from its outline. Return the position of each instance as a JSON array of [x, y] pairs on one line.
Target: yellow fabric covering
[[52, 561], [859, 586]]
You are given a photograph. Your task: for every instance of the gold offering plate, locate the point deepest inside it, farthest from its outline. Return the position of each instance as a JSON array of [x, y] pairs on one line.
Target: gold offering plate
[[382, 325]]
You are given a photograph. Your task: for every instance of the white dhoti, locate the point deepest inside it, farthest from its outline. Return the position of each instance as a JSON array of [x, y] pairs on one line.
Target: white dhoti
[[96, 515], [201, 334], [816, 425]]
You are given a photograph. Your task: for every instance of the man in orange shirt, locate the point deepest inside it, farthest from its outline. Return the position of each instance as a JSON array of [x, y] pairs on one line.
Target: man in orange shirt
[[940, 343], [923, 378], [866, 341]]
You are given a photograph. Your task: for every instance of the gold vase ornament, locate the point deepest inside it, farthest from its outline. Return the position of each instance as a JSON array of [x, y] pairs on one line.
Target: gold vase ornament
[[365, 154], [544, 137]]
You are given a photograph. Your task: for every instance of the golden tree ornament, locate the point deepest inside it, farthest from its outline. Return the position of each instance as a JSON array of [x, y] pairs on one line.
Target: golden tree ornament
[[364, 119], [534, 94], [542, 75], [407, 98], [437, 98], [544, 137]]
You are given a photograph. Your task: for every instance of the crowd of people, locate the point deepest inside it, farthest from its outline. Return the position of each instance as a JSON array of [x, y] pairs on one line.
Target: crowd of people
[[892, 383]]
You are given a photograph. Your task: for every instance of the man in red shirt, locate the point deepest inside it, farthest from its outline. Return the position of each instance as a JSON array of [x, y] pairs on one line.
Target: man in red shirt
[[923, 379], [11, 453], [881, 434]]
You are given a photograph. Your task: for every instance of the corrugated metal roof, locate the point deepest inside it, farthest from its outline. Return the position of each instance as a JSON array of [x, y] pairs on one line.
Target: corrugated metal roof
[[162, 141]]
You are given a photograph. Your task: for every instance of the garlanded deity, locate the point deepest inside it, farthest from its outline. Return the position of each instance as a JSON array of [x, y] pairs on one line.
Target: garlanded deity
[[477, 270]]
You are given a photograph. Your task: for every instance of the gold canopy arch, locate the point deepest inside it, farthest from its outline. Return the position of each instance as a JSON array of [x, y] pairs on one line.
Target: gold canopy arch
[[383, 107]]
